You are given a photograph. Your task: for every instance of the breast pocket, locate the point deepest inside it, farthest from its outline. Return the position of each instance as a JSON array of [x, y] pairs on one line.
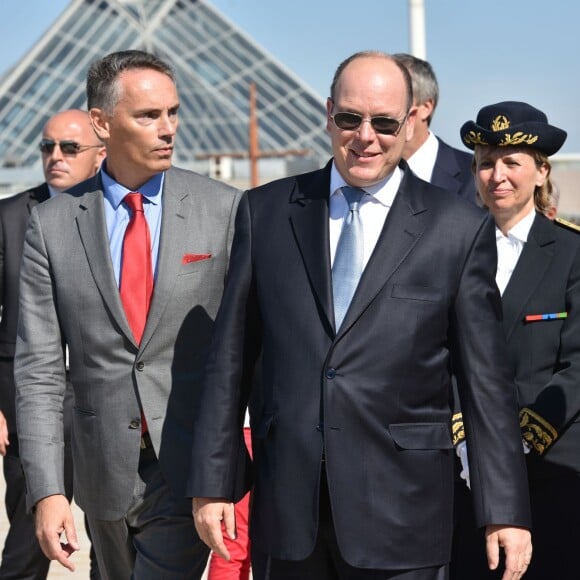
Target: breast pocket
[[420, 293], [195, 266]]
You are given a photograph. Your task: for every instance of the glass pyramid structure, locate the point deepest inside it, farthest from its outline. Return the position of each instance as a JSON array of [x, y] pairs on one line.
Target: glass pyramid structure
[[214, 61]]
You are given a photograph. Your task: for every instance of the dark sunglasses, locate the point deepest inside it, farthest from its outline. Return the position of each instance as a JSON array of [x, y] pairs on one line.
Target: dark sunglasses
[[380, 124], [67, 147]]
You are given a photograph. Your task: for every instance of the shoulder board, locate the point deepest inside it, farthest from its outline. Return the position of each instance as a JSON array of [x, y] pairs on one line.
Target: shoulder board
[[568, 225]]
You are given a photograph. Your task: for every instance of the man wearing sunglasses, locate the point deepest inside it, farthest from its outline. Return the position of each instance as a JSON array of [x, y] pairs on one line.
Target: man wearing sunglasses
[[429, 156], [71, 153], [354, 286]]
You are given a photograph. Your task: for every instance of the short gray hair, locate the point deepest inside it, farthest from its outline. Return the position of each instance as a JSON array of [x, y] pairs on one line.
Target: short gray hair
[[425, 86], [102, 85]]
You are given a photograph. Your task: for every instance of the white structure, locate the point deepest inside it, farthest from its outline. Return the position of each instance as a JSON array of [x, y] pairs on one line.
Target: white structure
[[417, 36]]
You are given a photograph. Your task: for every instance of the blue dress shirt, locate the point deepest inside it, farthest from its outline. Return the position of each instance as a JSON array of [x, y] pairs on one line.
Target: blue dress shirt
[[117, 215]]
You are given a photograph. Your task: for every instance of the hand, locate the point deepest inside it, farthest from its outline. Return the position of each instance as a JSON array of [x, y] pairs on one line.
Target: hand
[[208, 514], [3, 434], [517, 545], [461, 451], [54, 516]]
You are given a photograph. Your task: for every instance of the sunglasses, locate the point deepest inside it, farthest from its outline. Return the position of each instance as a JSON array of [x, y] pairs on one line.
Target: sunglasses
[[66, 147], [380, 124]]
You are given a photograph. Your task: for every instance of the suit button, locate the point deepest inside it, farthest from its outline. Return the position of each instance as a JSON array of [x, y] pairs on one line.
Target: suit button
[[330, 373], [135, 424], [140, 366]]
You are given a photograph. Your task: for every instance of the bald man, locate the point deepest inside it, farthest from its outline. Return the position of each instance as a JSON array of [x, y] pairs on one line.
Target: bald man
[[71, 153]]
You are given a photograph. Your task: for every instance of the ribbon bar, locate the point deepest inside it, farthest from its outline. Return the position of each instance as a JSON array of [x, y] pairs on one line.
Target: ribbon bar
[[549, 316]]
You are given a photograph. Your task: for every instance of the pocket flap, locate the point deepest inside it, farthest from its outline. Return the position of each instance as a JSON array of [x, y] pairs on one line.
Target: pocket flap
[[421, 435]]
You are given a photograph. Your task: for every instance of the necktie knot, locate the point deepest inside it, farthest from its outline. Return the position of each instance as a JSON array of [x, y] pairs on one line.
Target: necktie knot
[[134, 200], [353, 196]]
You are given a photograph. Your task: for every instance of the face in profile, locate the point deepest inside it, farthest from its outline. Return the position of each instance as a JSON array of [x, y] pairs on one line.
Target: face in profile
[[71, 152], [369, 86]]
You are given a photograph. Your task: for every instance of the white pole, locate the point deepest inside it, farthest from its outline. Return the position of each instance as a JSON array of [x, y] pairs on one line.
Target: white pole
[[417, 29]]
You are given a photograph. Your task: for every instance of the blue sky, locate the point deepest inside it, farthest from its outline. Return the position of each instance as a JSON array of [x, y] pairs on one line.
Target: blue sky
[[483, 51]]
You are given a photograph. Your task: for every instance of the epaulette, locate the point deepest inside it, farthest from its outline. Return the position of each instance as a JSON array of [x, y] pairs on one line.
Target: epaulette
[[536, 431], [457, 428], [568, 225]]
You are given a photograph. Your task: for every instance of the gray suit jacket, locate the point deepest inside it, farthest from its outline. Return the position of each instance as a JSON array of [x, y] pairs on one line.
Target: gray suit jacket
[[68, 290], [14, 214]]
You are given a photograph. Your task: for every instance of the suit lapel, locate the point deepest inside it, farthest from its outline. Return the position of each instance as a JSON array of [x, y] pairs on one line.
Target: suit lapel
[[308, 209], [93, 232], [528, 273], [177, 217], [403, 228], [446, 170]]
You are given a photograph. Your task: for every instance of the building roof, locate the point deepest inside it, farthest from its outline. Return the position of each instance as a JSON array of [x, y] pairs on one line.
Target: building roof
[[214, 61]]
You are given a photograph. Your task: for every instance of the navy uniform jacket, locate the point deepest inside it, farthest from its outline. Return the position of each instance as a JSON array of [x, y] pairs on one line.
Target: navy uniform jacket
[[546, 353]]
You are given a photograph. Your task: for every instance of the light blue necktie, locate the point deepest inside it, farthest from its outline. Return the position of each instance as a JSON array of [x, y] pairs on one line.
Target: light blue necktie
[[348, 260]]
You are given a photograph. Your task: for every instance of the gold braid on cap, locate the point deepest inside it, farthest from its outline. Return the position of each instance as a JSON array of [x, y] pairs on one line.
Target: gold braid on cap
[[501, 123], [457, 428], [536, 431], [518, 138], [474, 138]]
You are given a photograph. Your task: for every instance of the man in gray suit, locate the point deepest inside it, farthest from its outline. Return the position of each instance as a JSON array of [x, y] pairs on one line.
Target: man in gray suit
[[71, 153], [135, 387]]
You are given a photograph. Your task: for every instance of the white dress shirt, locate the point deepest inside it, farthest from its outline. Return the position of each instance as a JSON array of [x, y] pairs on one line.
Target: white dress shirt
[[423, 160], [373, 210], [510, 247]]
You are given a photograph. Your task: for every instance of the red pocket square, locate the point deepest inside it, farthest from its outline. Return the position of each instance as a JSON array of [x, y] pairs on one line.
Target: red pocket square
[[187, 258]]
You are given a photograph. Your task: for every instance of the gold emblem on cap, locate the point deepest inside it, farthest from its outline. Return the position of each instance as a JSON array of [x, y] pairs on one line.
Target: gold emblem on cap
[[500, 123]]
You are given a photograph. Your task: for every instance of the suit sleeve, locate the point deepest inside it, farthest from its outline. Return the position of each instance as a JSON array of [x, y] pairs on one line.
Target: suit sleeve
[[2, 253], [220, 463], [39, 372], [487, 391], [558, 403]]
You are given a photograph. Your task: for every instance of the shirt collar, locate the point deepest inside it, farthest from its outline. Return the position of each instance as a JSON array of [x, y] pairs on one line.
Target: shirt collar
[[521, 230], [423, 160], [52, 192], [383, 192], [115, 192]]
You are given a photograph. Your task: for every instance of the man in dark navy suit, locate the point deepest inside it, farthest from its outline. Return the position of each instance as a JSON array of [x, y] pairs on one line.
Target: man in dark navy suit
[[353, 459], [428, 156]]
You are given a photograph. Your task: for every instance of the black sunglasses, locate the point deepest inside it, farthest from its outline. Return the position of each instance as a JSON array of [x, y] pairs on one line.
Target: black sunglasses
[[67, 147], [380, 124]]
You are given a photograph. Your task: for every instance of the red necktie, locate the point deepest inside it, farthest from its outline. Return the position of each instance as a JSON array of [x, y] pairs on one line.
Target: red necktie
[[136, 272]]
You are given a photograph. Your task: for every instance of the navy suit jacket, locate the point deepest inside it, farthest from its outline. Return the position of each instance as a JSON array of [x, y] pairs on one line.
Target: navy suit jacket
[[375, 394], [452, 171]]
